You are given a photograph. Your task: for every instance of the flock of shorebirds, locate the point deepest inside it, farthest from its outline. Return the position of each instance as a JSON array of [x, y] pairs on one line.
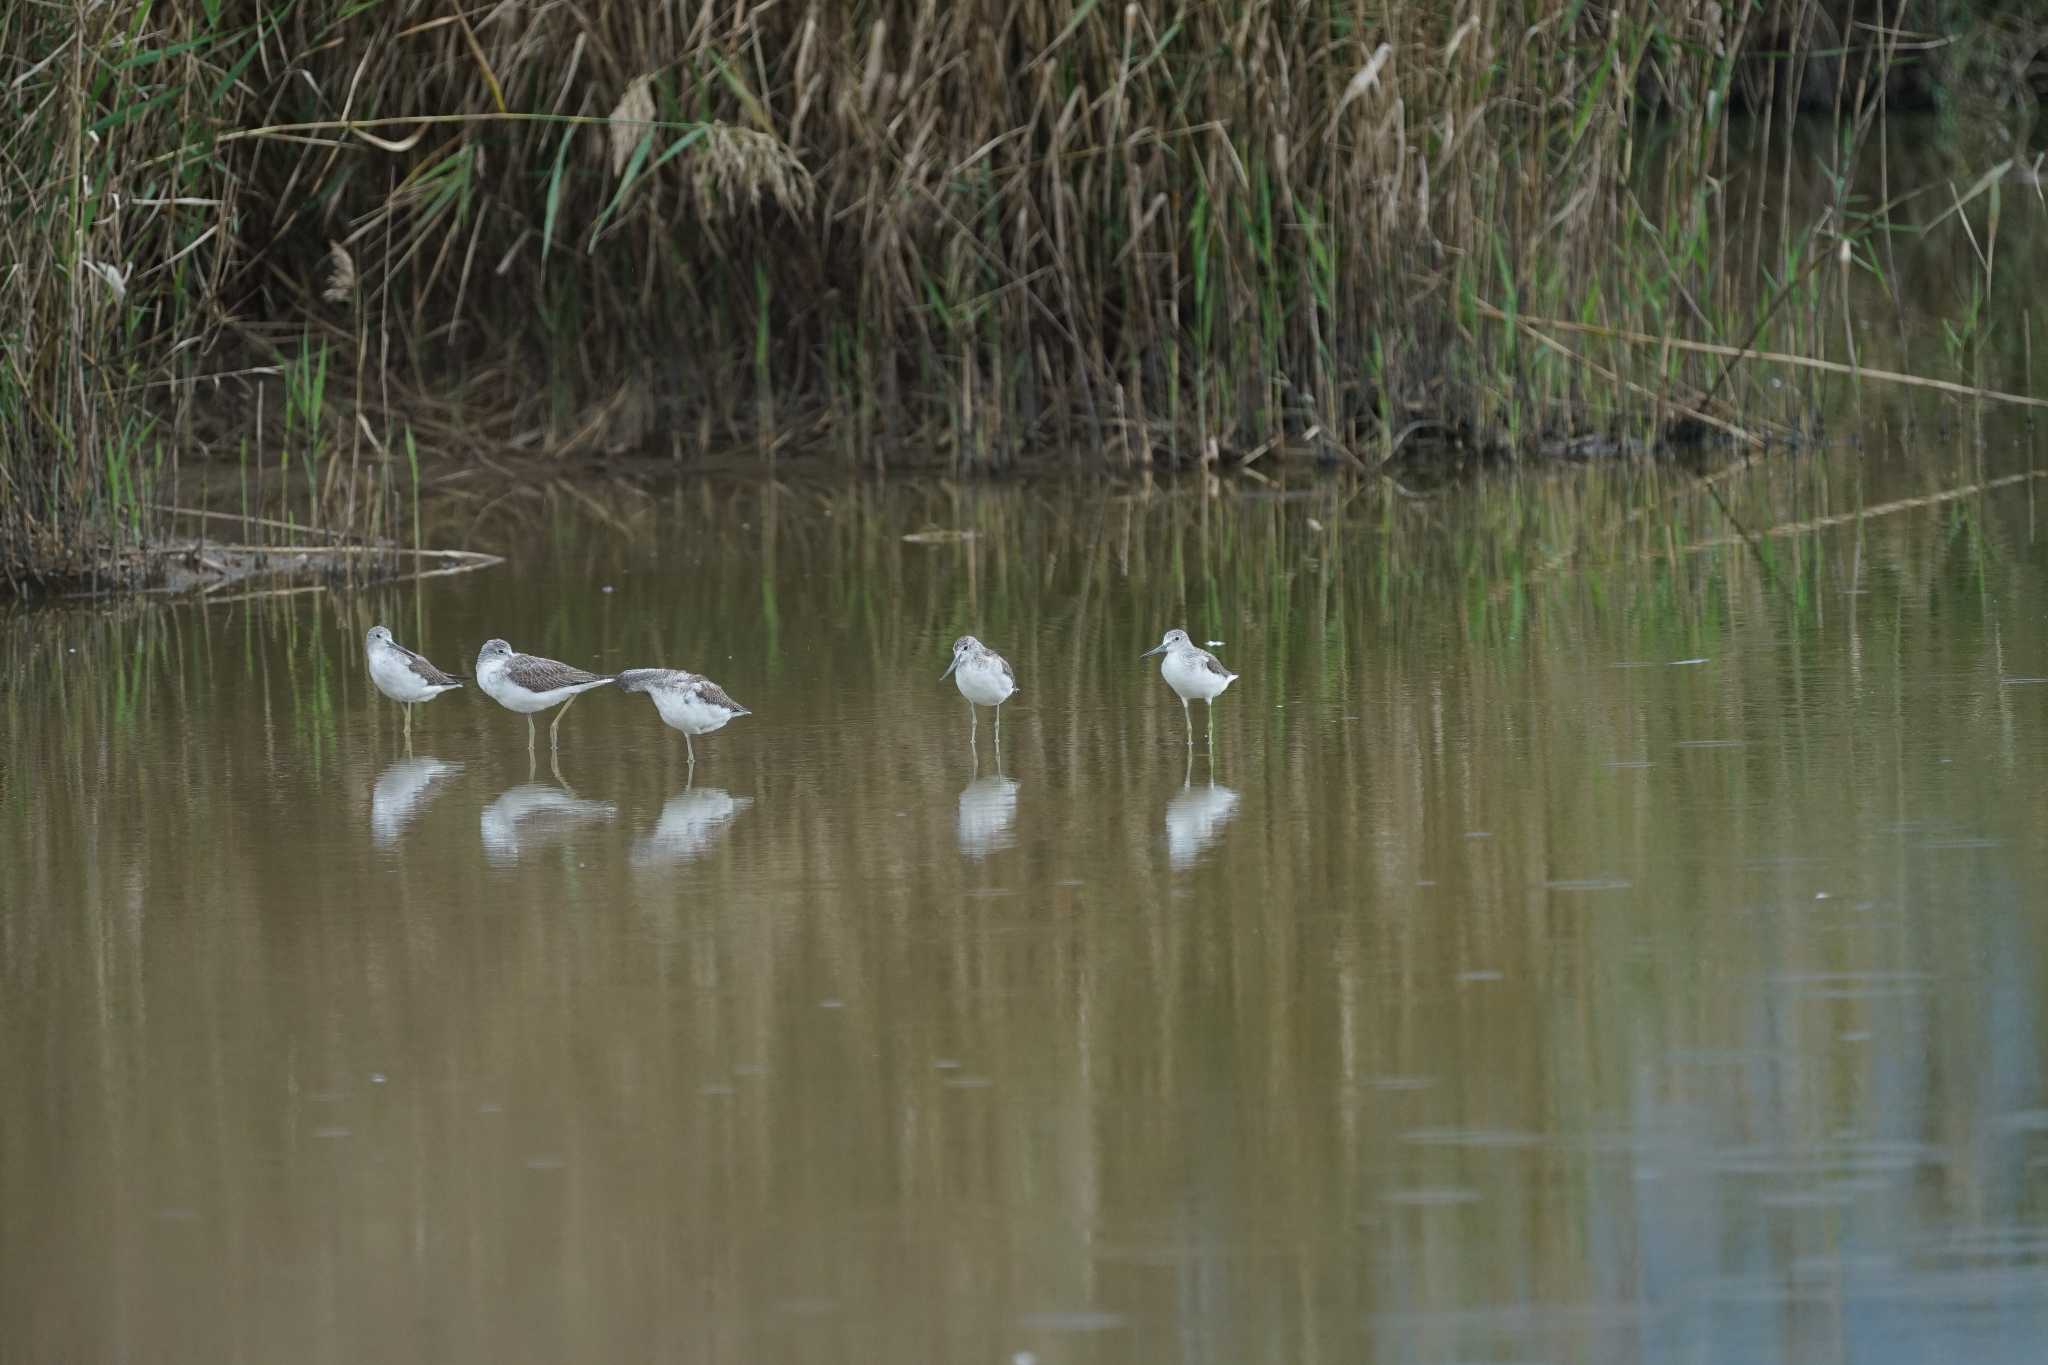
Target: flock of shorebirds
[[695, 705]]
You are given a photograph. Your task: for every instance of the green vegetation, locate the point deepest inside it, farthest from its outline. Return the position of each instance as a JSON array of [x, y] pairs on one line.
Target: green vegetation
[[321, 245]]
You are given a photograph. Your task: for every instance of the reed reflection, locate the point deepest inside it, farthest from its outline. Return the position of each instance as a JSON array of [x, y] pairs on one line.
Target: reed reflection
[[1456, 1035]]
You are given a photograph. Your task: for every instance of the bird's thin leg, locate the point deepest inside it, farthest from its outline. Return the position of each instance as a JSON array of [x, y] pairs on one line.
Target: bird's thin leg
[[999, 731], [973, 722], [552, 740], [1212, 727], [529, 739], [555, 767], [408, 727], [1189, 717], [690, 749]]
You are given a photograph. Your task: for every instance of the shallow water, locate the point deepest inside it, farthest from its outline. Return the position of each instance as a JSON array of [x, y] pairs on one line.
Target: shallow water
[[1602, 962]]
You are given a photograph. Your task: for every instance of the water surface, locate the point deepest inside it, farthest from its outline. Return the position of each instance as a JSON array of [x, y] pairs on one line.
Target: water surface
[[1630, 957]]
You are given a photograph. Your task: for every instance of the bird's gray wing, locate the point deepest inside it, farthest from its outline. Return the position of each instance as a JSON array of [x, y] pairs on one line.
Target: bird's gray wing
[[426, 672], [545, 675], [711, 692], [648, 679]]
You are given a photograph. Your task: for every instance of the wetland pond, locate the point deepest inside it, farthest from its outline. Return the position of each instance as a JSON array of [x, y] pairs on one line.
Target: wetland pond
[[1624, 957]]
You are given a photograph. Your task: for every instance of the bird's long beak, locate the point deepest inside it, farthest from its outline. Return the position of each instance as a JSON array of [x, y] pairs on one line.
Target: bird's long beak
[[949, 668], [1159, 648]]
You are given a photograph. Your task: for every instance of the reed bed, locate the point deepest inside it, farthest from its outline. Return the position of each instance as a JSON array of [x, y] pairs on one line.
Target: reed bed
[[318, 245]]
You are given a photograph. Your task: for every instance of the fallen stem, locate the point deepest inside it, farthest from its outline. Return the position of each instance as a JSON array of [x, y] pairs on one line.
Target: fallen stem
[[1775, 357]]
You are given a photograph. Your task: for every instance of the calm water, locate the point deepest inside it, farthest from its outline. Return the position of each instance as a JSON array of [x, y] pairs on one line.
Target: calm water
[[1641, 959]]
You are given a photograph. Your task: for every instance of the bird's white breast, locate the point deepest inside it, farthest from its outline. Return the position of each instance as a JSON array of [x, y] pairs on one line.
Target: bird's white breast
[[1189, 677], [490, 676], [395, 679], [502, 690], [984, 682], [688, 712]]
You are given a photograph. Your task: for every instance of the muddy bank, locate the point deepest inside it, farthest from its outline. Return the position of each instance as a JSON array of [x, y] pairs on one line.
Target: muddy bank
[[211, 569]]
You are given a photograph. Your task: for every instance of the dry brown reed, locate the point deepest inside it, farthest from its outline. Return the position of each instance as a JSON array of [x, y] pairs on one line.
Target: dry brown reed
[[1134, 234]]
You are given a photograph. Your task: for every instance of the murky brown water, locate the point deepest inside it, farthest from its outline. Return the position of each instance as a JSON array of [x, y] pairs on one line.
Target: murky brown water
[[1620, 962]]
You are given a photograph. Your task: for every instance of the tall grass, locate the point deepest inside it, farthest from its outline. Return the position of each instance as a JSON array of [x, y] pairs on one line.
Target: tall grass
[[1137, 234]]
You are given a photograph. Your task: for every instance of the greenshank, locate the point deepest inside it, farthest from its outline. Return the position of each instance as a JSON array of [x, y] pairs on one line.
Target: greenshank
[[403, 675], [1192, 673], [526, 683], [687, 701], [984, 677]]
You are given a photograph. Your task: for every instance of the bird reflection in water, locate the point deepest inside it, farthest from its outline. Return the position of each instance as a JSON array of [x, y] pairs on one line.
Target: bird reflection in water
[[1195, 818], [532, 815], [988, 812], [402, 792], [691, 822]]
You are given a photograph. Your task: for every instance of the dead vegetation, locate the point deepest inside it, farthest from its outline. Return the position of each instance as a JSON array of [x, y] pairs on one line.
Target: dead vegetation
[[317, 241]]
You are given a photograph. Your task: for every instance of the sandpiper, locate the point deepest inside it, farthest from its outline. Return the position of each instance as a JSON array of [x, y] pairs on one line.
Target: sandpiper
[[403, 675], [984, 677], [1191, 672], [687, 701], [526, 683]]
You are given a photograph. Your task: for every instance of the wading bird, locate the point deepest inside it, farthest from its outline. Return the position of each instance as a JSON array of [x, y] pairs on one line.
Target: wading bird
[[687, 701], [1193, 674], [984, 677], [526, 683], [403, 675]]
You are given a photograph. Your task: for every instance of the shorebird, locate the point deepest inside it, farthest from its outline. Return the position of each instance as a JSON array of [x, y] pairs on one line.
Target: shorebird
[[1192, 673], [687, 701], [526, 683], [984, 677], [403, 675]]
